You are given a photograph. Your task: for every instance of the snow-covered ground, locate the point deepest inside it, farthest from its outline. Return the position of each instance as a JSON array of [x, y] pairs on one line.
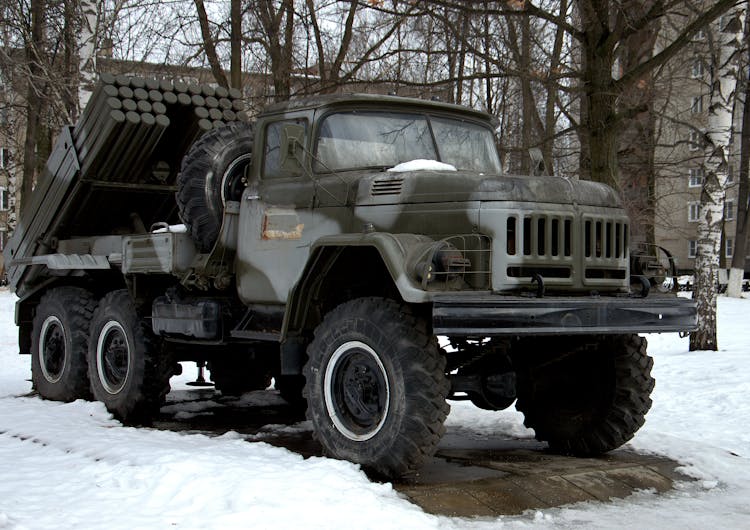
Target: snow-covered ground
[[73, 466]]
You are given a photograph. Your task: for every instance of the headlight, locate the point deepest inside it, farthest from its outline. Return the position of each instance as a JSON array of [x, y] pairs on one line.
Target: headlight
[[441, 262]]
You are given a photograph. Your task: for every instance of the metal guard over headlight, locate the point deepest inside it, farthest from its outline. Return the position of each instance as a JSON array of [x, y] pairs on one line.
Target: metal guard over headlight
[[459, 262]]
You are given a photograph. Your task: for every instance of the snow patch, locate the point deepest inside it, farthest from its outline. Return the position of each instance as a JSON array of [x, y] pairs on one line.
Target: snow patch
[[71, 465], [422, 165], [174, 229]]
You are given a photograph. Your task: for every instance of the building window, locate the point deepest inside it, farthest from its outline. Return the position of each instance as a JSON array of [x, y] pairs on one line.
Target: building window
[[5, 158], [694, 210], [696, 177], [729, 247], [4, 200], [729, 210], [698, 68], [730, 174], [692, 248], [694, 141], [697, 105]]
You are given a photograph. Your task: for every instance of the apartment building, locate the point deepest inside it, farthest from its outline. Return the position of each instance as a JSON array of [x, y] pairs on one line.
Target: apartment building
[[683, 118]]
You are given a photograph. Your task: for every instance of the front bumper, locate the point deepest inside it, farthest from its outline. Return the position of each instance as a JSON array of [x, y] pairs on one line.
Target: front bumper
[[491, 315]]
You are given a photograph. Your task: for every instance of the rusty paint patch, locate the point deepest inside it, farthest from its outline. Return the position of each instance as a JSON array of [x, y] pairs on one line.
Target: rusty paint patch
[[282, 223]]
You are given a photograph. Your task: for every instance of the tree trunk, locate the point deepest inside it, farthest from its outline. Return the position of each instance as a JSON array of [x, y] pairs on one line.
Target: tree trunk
[[550, 119], [235, 39], [33, 100], [737, 272], [464, 24], [209, 46], [87, 50], [599, 121], [279, 49], [527, 96], [598, 103], [711, 220], [69, 67], [636, 148]]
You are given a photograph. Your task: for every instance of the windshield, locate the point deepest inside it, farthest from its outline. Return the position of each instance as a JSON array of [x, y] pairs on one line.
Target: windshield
[[358, 140]]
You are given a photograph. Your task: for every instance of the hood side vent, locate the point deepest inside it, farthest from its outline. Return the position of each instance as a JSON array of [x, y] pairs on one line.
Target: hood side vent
[[391, 186]]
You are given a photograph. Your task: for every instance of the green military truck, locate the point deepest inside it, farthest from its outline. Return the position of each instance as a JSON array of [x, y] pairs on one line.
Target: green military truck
[[327, 245]]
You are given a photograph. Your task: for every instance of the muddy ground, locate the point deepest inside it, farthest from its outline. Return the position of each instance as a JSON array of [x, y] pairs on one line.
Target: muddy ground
[[468, 476]]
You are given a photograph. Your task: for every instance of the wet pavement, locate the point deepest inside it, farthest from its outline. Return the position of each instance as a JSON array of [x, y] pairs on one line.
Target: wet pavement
[[468, 476]]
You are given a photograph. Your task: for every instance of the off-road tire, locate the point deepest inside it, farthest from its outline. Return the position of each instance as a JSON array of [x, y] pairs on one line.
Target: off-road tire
[[376, 386], [212, 173], [592, 400], [128, 369], [59, 341]]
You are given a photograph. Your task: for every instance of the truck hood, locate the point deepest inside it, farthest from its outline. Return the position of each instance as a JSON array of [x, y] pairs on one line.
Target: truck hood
[[459, 186]]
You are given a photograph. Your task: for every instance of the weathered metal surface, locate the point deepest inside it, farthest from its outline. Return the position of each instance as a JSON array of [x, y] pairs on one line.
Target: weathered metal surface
[[157, 253], [67, 261]]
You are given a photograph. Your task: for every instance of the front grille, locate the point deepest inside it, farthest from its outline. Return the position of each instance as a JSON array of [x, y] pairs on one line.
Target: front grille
[[568, 250], [605, 248], [604, 238], [539, 235]]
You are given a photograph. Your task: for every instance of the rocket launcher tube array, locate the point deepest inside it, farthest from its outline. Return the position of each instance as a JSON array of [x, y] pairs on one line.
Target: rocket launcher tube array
[[132, 135], [133, 123]]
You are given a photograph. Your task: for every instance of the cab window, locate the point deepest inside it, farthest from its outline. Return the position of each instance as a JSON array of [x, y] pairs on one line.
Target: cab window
[[273, 164]]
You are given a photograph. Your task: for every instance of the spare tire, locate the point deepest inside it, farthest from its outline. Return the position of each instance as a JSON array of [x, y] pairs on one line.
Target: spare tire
[[213, 172]]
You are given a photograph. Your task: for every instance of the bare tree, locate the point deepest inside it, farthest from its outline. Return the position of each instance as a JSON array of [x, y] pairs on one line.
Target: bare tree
[[209, 45], [717, 139], [736, 273], [34, 46]]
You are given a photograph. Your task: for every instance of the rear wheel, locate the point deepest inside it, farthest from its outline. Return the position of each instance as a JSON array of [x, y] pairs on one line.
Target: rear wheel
[[590, 400], [59, 341], [128, 370], [376, 387]]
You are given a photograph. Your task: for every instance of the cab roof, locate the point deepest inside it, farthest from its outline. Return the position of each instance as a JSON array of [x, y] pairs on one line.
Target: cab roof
[[371, 100]]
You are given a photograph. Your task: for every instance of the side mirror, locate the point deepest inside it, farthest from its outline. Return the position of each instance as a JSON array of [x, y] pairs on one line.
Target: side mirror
[[537, 162], [292, 148]]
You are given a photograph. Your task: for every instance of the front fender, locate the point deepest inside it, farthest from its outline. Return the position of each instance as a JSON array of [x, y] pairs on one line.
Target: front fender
[[396, 251]]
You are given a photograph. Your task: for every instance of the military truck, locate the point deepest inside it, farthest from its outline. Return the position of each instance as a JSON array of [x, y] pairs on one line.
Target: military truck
[[327, 245]]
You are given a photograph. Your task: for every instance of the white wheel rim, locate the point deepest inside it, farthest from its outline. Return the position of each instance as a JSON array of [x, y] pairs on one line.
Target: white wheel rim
[[50, 321], [328, 379], [101, 362]]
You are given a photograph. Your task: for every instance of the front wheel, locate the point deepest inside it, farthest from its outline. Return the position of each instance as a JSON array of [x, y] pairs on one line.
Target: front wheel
[[376, 386], [591, 397], [129, 372]]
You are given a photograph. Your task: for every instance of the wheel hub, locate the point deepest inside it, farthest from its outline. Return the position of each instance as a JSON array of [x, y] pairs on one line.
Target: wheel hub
[[113, 357], [52, 349], [357, 393]]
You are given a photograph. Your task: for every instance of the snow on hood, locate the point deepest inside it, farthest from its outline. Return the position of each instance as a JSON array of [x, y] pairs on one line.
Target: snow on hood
[[422, 165]]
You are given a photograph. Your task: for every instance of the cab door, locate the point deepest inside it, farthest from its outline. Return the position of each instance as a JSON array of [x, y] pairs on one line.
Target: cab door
[[276, 216]]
